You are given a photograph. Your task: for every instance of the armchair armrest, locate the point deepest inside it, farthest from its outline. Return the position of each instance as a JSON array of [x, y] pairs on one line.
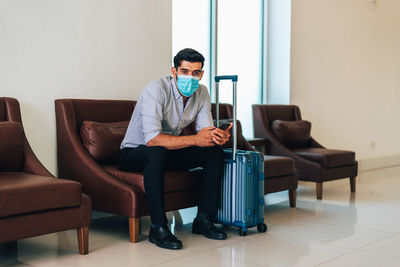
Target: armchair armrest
[[314, 143]]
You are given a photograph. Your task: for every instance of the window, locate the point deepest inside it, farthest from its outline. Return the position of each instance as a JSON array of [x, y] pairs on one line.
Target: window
[[247, 38], [239, 51], [190, 29]]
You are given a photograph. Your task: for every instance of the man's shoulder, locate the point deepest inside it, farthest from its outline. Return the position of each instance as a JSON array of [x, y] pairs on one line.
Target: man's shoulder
[[163, 83], [202, 91], [158, 88]]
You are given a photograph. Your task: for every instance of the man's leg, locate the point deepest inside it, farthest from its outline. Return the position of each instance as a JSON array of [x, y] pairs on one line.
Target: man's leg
[[212, 161], [152, 161]]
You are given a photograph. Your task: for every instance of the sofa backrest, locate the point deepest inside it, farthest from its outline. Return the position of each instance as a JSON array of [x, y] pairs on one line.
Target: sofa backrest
[[226, 112], [101, 110], [108, 115]]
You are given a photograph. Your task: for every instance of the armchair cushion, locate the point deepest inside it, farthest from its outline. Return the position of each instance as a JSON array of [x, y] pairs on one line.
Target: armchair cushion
[[103, 139], [11, 146], [292, 133], [174, 180], [25, 193], [275, 166], [327, 157]]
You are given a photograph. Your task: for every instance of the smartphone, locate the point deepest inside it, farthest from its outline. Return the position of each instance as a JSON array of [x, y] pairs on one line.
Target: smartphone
[[224, 126]]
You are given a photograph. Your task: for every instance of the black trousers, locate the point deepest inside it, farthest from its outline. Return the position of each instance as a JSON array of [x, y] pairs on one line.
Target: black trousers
[[153, 161]]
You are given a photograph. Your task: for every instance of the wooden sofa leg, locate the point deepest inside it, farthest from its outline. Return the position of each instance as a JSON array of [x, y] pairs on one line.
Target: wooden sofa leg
[[353, 184], [319, 190], [83, 240], [134, 224], [292, 198]]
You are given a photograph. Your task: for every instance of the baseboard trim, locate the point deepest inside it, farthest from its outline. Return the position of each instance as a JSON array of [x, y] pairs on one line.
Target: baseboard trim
[[378, 163]]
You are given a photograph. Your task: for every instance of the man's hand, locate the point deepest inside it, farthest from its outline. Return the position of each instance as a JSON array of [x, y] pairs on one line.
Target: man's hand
[[203, 138], [220, 136]]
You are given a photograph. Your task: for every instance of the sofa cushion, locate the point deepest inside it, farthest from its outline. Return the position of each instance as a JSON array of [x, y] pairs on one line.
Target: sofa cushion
[[292, 133], [327, 157], [103, 139], [174, 180], [11, 146], [24, 193], [275, 166]]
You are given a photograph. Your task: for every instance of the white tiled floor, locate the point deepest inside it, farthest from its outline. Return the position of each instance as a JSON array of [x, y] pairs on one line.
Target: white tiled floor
[[343, 229]]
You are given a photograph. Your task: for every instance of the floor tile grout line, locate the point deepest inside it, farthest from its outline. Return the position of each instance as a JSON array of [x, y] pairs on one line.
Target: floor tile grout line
[[179, 258], [355, 250], [376, 241], [338, 256], [290, 239]]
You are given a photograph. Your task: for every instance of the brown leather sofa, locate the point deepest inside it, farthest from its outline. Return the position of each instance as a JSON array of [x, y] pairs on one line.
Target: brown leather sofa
[[89, 133], [288, 135], [279, 172], [32, 201]]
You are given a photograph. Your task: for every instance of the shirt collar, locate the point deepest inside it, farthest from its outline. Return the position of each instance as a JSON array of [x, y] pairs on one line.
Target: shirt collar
[[175, 89]]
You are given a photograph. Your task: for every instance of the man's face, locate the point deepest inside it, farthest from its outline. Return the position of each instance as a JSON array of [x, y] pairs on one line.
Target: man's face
[[188, 68]]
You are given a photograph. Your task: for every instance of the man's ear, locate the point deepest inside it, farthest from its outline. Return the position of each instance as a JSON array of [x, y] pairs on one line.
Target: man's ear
[[201, 75], [173, 72]]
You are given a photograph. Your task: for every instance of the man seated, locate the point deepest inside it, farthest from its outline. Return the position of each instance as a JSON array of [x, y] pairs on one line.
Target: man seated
[[152, 145]]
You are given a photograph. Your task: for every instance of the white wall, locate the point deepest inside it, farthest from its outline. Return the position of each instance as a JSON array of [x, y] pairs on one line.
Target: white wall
[[78, 49], [345, 73]]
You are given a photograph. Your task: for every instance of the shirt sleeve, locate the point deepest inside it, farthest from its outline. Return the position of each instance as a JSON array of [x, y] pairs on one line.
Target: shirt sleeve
[[204, 117], [152, 111]]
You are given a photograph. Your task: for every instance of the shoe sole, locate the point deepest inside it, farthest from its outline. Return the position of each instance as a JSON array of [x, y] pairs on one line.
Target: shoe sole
[[152, 240], [208, 236]]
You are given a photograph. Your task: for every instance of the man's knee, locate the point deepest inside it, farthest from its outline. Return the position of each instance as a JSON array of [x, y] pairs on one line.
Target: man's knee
[[157, 154], [216, 152], [213, 154]]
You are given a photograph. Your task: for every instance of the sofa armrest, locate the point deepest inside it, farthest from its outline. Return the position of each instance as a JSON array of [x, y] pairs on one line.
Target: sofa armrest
[[74, 162], [31, 162], [258, 143]]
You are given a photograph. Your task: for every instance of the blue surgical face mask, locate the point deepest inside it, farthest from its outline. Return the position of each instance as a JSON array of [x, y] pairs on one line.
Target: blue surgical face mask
[[187, 84]]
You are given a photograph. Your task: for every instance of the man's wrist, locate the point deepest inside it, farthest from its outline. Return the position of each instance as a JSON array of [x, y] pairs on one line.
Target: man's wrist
[[193, 140]]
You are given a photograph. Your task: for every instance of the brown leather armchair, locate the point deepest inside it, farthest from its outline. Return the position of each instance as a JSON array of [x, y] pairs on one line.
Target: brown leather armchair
[[280, 173], [111, 190], [314, 162], [32, 201]]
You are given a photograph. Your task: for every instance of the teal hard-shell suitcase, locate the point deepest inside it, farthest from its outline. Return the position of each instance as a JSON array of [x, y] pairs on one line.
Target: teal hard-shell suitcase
[[242, 187]]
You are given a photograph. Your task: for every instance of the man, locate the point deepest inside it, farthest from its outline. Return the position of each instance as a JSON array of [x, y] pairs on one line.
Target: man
[[152, 144]]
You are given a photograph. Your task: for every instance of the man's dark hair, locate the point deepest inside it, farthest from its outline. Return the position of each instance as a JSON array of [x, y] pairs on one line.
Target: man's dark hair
[[188, 54]]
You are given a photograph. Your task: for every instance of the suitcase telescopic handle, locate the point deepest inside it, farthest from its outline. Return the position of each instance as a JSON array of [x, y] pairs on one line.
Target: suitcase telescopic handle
[[234, 79]]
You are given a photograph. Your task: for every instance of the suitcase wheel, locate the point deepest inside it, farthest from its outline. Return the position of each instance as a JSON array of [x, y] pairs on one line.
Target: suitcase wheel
[[242, 232], [262, 227]]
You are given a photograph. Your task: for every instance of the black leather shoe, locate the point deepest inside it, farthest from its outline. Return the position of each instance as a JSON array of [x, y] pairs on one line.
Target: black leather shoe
[[207, 228], [162, 237]]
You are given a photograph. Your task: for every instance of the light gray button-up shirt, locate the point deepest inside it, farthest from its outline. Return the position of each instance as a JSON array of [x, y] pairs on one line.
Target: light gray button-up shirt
[[160, 110]]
